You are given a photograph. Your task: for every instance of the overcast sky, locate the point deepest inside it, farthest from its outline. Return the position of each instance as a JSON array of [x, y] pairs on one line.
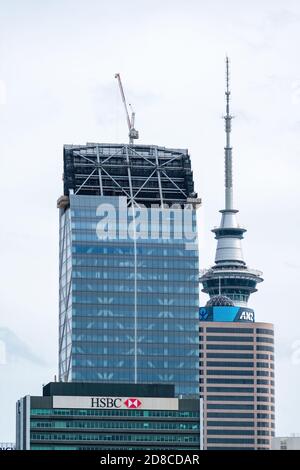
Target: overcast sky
[[57, 86]]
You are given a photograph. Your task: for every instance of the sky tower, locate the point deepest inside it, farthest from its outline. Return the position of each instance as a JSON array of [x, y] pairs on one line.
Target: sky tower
[[230, 276], [236, 360]]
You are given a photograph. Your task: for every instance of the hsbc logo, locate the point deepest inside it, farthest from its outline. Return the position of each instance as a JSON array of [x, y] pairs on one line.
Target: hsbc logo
[[132, 403], [106, 402], [115, 403]]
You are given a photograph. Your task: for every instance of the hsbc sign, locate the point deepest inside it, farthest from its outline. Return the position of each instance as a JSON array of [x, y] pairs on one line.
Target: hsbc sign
[[116, 403]]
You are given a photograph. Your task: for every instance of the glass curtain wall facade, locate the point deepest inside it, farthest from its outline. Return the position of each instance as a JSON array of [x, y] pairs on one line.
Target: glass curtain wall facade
[[128, 303]]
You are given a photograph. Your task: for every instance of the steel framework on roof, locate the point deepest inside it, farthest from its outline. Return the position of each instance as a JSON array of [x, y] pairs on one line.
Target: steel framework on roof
[[144, 174]]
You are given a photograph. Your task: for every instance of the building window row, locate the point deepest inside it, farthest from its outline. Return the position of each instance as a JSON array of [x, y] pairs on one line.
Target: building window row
[[240, 347], [265, 416], [229, 406], [230, 372], [220, 415], [263, 441], [229, 364], [234, 424], [265, 365], [229, 330], [222, 338], [232, 398], [264, 347], [237, 355], [265, 331], [111, 424], [230, 389], [229, 381], [264, 373], [229, 448], [231, 432], [264, 339], [115, 437], [113, 413], [215, 440]]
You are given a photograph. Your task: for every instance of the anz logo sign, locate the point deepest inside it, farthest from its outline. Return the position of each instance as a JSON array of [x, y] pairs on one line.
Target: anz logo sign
[[226, 313], [203, 312], [246, 316]]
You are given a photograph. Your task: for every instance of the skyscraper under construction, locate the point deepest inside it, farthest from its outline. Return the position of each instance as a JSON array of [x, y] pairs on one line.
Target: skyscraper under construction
[[128, 266]]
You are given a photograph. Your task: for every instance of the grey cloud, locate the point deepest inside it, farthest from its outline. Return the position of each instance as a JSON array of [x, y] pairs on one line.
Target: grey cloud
[[16, 349]]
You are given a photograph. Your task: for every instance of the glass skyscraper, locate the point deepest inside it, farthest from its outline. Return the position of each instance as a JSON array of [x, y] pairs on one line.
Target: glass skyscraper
[[128, 267]]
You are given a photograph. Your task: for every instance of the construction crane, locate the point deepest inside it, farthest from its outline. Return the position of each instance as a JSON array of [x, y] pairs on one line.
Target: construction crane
[[133, 133]]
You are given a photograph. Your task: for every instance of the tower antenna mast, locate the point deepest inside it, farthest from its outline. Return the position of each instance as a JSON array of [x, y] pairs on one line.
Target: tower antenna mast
[[228, 148], [133, 133]]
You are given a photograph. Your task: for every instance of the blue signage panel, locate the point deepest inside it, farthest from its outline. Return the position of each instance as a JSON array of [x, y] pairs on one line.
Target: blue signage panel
[[226, 313]]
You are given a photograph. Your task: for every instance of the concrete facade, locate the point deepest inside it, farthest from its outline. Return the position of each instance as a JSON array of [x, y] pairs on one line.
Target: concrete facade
[[237, 384]]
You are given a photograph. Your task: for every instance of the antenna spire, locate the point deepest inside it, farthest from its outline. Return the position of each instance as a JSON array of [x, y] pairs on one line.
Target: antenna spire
[[228, 148]]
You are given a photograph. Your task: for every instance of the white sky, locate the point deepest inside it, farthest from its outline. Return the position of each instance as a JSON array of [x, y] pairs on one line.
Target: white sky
[[57, 66]]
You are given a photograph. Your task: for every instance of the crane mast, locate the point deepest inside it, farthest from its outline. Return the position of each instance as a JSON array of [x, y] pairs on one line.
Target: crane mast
[[133, 133]]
